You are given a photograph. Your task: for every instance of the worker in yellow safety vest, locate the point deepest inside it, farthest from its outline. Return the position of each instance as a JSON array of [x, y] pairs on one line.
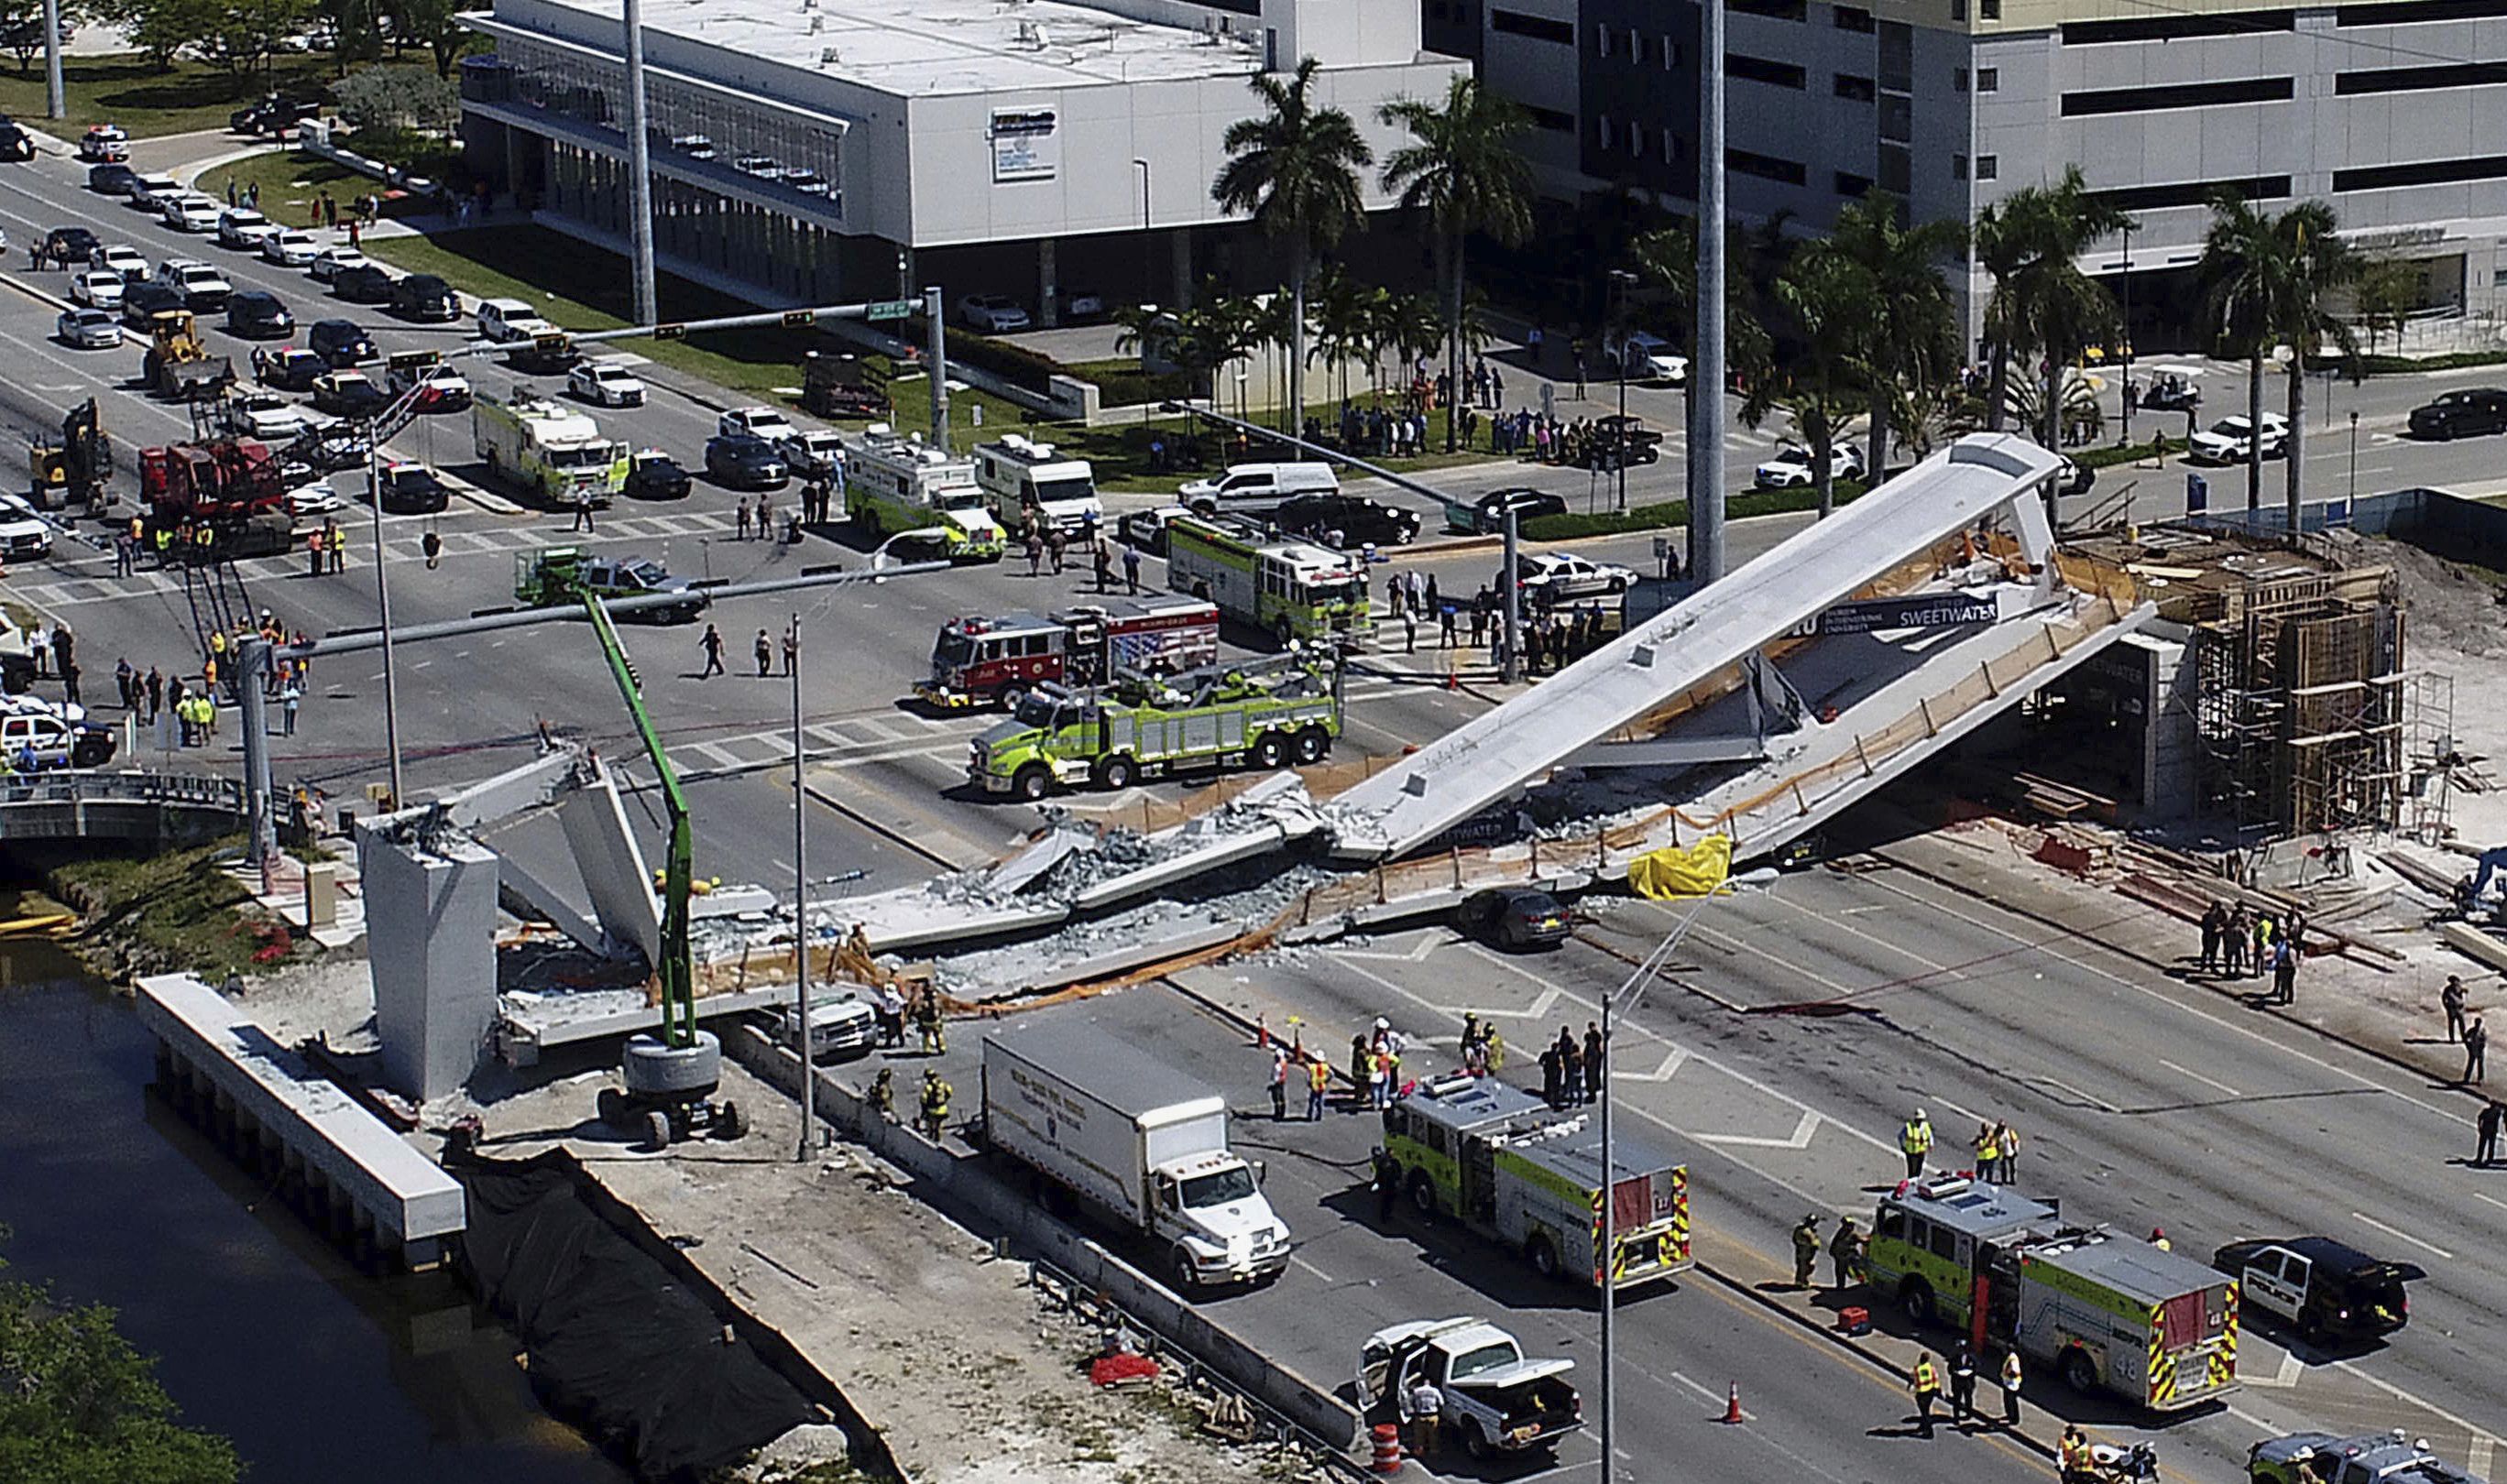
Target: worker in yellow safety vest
[[1915, 1141], [1927, 1387], [1989, 1154], [935, 1104], [2072, 1455]]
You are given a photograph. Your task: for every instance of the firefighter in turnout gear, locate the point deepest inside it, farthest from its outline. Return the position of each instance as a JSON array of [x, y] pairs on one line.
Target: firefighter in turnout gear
[[935, 1103], [1845, 1254], [1805, 1250], [1915, 1141], [930, 1024], [883, 1093]]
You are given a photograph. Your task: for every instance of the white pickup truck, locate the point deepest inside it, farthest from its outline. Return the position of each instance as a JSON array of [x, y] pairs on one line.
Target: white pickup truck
[[1494, 1398]]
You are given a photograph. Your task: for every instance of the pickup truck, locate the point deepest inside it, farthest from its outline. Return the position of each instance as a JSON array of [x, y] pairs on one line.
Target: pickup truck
[[1495, 1400]]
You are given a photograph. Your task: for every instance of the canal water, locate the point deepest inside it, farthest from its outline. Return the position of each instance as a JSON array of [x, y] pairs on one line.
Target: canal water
[[263, 1332]]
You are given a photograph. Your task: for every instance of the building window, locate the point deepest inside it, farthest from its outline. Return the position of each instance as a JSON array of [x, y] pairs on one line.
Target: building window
[[1852, 185], [1537, 28], [1758, 69], [2198, 193], [1551, 119], [2114, 101], [1636, 46], [1781, 10], [1601, 39], [1853, 18], [1767, 166], [2411, 11], [1897, 118], [1958, 10], [1858, 88], [1958, 80], [2420, 172], [1636, 140], [2184, 25], [2413, 79], [1675, 148], [1602, 129], [1670, 54], [1988, 79], [1988, 166], [1990, 10], [1958, 167]]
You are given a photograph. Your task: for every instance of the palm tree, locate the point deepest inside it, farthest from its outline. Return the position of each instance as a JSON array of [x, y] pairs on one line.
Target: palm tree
[[1295, 171], [1339, 316], [1825, 299], [2042, 304], [1466, 175], [1667, 259], [2269, 277], [1912, 334]]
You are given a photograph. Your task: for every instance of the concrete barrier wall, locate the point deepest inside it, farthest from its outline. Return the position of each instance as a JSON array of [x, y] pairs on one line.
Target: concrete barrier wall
[[2447, 525], [975, 1198]]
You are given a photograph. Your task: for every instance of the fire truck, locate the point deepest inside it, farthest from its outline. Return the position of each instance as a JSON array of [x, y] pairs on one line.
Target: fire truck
[[230, 487], [979, 661]]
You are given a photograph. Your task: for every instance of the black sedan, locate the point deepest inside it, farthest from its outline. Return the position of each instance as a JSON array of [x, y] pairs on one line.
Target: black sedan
[[745, 461], [656, 476], [364, 283], [426, 297], [144, 302], [347, 394], [289, 368], [1513, 917], [69, 244], [340, 341], [259, 314], [1354, 519], [1486, 516], [2465, 414], [411, 488], [111, 179]]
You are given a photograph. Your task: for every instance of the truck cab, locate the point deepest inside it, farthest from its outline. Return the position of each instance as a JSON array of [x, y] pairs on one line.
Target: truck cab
[[1494, 1397], [2376, 1458], [559, 573]]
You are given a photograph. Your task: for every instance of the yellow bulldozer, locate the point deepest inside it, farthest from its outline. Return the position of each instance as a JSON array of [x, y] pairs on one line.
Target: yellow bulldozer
[[178, 365]]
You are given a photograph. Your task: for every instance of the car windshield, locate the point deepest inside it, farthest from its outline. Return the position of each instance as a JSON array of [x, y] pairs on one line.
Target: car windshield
[[953, 649], [1053, 491], [614, 373], [644, 574], [1330, 589], [1482, 1360], [577, 458], [1035, 710], [1220, 1188], [2230, 428]]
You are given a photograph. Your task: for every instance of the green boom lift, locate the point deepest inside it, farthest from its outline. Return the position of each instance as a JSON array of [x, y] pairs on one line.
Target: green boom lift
[[670, 1077]]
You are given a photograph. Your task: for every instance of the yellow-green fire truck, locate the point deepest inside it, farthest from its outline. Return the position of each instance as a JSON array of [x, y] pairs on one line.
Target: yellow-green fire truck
[[1264, 714], [1527, 1175], [1289, 588], [893, 485], [2105, 1312]]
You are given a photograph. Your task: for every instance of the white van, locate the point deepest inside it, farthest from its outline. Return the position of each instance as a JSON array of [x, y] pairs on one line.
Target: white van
[[504, 320], [1258, 487]]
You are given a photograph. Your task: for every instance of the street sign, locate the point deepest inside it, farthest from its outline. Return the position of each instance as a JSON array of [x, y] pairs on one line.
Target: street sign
[[890, 308], [800, 319], [551, 343], [669, 332]]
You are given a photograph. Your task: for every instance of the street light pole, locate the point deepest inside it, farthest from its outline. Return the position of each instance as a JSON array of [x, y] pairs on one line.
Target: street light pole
[[2127, 333], [1706, 377], [801, 904], [2355, 462], [1620, 280], [382, 610], [56, 100], [639, 171]]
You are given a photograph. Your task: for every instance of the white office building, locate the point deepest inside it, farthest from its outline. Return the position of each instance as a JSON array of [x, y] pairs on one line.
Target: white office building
[[2394, 111], [847, 149]]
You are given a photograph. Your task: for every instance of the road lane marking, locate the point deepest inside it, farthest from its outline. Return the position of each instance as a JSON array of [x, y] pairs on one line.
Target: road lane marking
[[1671, 1064], [1799, 1139], [1298, 1260], [2428, 1247], [2492, 1200], [2291, 1371], [2478, 1434], [2199, 1077]]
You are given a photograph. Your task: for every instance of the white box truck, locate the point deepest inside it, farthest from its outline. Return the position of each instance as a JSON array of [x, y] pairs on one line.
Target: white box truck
[[1136, 1139]]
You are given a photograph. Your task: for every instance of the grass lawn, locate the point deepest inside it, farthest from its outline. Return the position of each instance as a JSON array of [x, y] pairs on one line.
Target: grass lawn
[[291, 183], [126, 90], [176, 907]]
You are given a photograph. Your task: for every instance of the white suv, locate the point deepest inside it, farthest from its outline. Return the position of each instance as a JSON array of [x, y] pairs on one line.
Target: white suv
[[2230, 441], [190, 211], [242, 227], [204, 290], [759, 421], [992, 313]]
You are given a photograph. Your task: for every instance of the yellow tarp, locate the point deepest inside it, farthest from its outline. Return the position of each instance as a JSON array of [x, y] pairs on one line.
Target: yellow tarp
[[1679, 871]]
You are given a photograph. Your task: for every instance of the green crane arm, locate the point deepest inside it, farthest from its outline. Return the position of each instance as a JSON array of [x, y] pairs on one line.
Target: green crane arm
[[676, 970]]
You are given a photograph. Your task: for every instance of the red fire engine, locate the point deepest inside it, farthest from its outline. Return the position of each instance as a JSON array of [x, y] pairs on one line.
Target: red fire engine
[[978, 661]]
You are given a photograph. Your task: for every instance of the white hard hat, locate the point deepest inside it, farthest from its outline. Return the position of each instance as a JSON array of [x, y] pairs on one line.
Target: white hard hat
[[1919, 1113], [1381, 1024]]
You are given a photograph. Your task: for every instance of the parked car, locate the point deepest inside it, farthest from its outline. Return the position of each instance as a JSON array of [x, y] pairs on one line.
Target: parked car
[[114, 258], [695, 147], [2321, 1287], [24, 534], [409, 487], [2072, 477], [340, 341], [1083, 304], [653, 475], [1486, 516], [2465, 414], [745, 461], [808, 182], [507, 320], [275, 116], [426, 297], [72, 244], [992, 313], [606, 382], [813, 453], [841, 1024], [1355, 520], [440, 388], [334, 445], [242, 227], [290, 247], [149, 191], [96, 289], [204, 290], [1793, 467], [1513, 917], [189, 211], [105, 143], [144, 302], [1560, 576], [328, 264], [1147, 529], [1649, 357], [111, 179], [757, 421], [315, 498], [259, 314], [289, 368], [88, 328], [347, 394], [1620, 438], [56, 743], [762, 165], [2170, 392], [364, 283], [2231, 440]]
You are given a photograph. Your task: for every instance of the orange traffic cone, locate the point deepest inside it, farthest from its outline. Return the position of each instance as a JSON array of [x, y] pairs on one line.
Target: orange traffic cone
[[1732, 1404]]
